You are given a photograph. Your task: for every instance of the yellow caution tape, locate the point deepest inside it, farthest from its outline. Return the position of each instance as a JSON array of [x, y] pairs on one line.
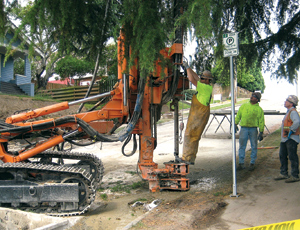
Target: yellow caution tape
[[288, 225]]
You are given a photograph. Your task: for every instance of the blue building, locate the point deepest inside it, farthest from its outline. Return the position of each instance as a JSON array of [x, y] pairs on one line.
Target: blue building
[[9, 82]]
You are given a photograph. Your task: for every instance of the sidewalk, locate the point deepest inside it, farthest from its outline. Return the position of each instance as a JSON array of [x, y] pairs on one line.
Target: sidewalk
[[262, 200]]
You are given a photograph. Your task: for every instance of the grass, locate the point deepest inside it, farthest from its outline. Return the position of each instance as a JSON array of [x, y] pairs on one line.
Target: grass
[[181, 105], [184, 105], [139, 225], [104, 196], [131, 172], [272, 139], [37, 97], [228, 104], [222, 193]]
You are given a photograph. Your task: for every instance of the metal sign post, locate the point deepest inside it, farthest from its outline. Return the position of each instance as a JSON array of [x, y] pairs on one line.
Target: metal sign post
[[230, 41]]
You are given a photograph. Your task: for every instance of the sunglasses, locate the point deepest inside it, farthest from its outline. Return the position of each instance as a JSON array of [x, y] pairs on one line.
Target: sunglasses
[[253, 95], [203, 78]]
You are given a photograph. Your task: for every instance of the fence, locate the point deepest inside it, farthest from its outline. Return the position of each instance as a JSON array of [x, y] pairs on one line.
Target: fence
[[72, 93], [51, 86], [225, 91]]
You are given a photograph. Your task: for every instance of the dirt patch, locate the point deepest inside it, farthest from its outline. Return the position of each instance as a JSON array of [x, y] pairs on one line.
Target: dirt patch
[[12, 104], [190, 211]]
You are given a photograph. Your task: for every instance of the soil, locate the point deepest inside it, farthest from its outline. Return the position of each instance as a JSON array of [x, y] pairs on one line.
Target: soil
[[120, 205], [13, 104]]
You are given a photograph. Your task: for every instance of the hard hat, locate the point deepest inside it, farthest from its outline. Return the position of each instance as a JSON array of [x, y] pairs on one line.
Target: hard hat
[[258, 95], [207, 74], [293, 99]]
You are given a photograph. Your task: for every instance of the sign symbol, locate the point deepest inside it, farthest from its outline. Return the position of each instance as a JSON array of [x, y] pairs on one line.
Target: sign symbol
[[230, 40]]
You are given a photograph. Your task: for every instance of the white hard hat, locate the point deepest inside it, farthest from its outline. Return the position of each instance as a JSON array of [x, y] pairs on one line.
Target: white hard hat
[[293, 99]]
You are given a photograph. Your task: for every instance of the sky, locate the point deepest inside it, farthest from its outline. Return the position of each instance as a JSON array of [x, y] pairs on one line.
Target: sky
[[278, 90], [274, 89]]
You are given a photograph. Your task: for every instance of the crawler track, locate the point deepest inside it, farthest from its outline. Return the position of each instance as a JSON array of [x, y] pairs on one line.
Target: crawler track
[[90, 162], [71, 187]]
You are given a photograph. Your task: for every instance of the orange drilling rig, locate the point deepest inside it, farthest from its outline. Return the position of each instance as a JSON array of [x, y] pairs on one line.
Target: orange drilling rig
[[36, 177]]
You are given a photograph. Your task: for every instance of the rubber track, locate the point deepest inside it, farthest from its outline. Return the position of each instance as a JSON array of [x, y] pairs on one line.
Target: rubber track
[[78, 156], [53, 169]]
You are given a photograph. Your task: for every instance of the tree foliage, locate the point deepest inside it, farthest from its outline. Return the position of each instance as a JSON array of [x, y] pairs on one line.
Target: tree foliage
[[60, 27], [109, 61], [70, 66], [268, 33], [84, 26], [145, 24], [19, 66], [75, 25]]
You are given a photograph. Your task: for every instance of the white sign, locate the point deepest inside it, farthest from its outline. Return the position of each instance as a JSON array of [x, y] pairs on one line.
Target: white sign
[[231, 44], [232, 52]]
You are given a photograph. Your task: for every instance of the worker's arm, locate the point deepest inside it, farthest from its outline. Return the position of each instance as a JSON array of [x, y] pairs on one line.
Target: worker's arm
[[192, 76], [261, 121], [296, 121], [238, 116]]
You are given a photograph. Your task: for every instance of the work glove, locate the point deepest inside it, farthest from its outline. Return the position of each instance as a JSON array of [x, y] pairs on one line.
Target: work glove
[[185, 65], [236, 128], [289, 135], [260, 136]]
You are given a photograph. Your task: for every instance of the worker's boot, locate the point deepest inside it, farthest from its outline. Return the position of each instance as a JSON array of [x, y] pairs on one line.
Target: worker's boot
[[292, 179], [251, 167], [180, 160], [241, 167], [281, 177]]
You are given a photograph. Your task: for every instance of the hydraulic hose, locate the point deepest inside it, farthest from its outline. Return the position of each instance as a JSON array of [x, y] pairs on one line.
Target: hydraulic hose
[[85, 126], [134, 145], [137, 111], [169, 95], [37, 127]]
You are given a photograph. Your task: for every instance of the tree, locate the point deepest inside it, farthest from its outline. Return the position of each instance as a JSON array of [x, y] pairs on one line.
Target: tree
[[109, 61], [248, 77], [58, 31], [19, 66], [151, 25], [277, 51], [71, 66], [40, 35]]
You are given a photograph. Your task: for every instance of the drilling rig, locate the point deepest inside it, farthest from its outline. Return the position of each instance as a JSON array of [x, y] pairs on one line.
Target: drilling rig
[[39, 176]]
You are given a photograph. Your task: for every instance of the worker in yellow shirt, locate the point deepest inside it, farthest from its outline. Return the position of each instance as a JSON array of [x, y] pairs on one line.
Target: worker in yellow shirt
[[250, 116], [199, 113]]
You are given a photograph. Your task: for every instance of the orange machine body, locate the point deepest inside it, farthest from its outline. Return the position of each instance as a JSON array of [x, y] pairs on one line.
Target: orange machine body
[[157, 83]]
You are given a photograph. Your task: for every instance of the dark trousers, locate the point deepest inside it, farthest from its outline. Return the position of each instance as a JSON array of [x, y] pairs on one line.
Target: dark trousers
[[288, 150]]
